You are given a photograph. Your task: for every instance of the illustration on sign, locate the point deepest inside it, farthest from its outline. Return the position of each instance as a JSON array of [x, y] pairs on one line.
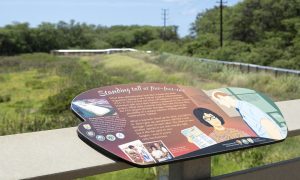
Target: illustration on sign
[[150, 124]]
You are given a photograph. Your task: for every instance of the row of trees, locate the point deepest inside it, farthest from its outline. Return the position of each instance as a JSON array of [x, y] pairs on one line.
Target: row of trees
[[265, 32], [21, 38]]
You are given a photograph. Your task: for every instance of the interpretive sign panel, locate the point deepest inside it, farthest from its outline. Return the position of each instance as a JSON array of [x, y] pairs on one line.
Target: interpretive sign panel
[[151, 124]]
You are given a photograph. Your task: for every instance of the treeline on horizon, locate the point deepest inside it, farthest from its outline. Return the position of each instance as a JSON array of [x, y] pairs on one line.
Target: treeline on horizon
[[20, 38], [265, 32]]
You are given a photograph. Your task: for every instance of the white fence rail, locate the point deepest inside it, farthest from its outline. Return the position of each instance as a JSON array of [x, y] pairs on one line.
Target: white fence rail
[[60, 154], [253, 67], [87, 52]]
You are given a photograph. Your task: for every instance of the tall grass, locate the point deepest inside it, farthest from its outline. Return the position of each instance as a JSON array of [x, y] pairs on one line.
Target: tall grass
[[36, 91], [282, 87]]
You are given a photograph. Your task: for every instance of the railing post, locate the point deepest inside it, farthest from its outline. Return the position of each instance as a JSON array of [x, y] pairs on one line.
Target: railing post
[[190, 170]]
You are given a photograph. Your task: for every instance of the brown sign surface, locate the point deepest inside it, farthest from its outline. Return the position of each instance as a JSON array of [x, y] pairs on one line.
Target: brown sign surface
[[149, 124]]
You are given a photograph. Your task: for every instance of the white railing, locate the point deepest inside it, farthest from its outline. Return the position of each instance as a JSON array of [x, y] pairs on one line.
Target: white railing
[[60, 154], [87, 52], [245, 67]]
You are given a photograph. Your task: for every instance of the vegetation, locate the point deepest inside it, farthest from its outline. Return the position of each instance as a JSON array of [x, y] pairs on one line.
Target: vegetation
[[21, 38], [265, 32], [36, 91]]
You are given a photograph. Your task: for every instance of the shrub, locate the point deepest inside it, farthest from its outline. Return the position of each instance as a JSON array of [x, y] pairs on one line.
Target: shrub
[[61, 102], [5, 98]]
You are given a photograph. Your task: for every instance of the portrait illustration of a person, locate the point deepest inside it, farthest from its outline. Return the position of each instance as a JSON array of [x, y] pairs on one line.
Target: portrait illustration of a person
[[260, 122], [220, 132]]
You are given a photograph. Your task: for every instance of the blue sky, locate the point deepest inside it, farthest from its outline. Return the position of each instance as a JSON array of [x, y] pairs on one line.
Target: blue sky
[[105, 12]]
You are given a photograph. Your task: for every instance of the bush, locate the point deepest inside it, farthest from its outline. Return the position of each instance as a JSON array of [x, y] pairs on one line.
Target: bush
[[61, 102], [5, 98]]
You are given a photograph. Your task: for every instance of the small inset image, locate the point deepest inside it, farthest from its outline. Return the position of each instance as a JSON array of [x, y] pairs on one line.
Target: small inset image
[[239, 142], [89, 108], [87, 126], [120, 135], [158, 151], [250, 140], [137, 153], [90, 133], [199, 138], [245, 141]]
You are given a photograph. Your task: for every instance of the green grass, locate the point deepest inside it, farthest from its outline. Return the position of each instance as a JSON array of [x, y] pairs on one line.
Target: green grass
[[27, 91], [127, 174], [240, 160], [284, 87], [29, 85], [135, 70], [36, 91]]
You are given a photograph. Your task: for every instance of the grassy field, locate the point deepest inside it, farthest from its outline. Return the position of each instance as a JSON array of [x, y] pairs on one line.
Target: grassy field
[[36, 91]]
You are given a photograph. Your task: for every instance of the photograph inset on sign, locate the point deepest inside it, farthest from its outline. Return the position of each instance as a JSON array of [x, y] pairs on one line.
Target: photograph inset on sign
[[90, 108], [137, 153], [158, 151]]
